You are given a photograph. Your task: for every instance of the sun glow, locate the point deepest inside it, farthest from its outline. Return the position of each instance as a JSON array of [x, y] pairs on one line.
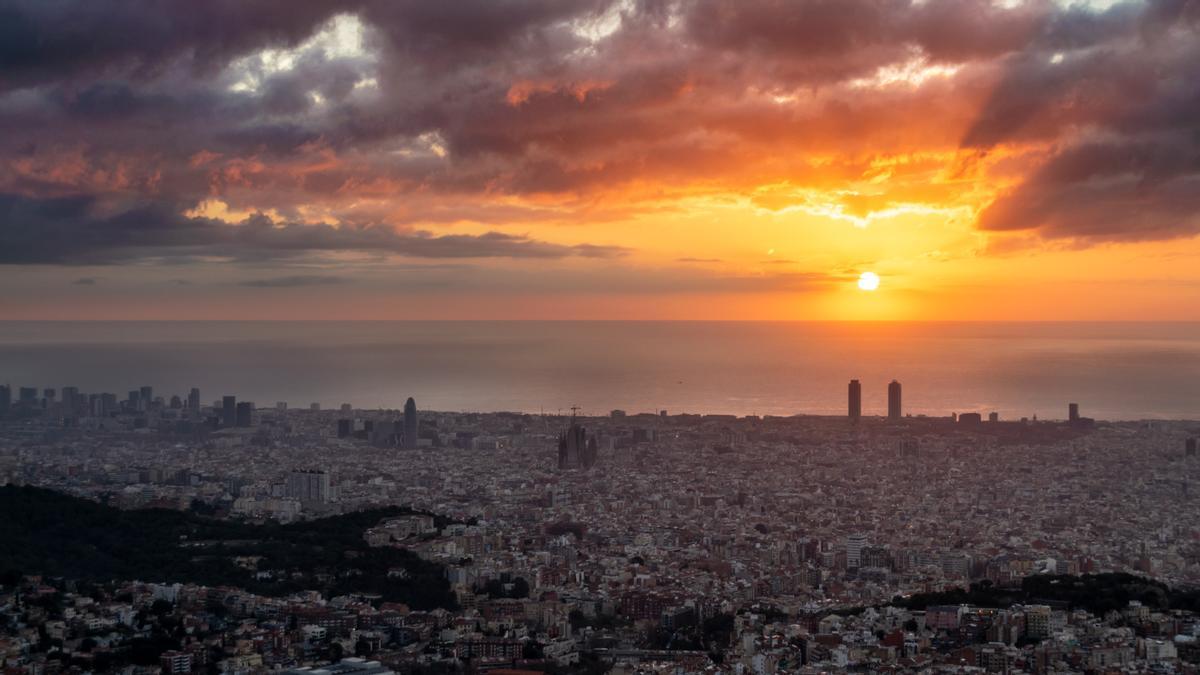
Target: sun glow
[[868, 281]]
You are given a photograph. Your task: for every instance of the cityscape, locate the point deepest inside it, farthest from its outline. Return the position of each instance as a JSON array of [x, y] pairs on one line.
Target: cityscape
[[599, 337], [626, 542]]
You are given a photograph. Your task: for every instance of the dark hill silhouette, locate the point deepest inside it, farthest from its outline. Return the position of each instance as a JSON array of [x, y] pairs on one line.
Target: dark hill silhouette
[[54, 534]]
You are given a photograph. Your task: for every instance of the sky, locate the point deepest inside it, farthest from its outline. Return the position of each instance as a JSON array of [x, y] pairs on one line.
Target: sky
[[600, 159]]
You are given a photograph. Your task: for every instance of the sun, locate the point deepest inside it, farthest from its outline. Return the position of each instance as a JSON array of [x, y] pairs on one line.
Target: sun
[[868, 281]]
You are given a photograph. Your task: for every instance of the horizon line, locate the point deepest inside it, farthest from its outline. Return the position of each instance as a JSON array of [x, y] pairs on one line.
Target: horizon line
[[619, 320]]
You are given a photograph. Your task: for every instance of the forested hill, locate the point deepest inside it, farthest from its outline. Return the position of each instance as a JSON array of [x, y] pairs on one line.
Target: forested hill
[[54, 534], [1096, 593]]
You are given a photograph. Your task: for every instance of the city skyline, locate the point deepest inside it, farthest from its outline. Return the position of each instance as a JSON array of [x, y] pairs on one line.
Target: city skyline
[[228, 411], [537, 159]]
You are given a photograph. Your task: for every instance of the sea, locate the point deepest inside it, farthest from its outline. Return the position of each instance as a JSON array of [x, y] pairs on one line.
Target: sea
[[1114, 371]]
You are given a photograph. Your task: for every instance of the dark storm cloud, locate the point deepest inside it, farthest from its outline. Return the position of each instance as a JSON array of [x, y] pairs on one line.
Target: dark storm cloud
[[80, 230], [1125, 118], [54, 40], [1120, 189], [829, 40], [453, 105], [444, 34]]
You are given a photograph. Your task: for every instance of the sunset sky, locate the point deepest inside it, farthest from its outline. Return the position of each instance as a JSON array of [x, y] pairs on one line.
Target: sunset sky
[[596, 159]]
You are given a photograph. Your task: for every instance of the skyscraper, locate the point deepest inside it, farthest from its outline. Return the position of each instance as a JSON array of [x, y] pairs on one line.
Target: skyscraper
[[854, 546], [412, 425], [228, 411], [1073, 412], [147, 394], [855, 400], [108, 404], [244, 414], [5, 398], [309, 487], [70, 401], [894, 409], [384, 433], [194, 400]]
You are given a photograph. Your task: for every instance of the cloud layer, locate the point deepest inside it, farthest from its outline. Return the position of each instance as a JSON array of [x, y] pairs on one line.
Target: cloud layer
[[77, 231], [362, 126]]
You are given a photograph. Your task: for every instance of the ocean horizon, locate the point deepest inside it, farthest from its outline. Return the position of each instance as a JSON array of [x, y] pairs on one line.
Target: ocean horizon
[[1114, 370]]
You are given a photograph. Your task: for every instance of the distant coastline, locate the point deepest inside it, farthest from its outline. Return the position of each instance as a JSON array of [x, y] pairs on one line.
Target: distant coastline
[[1114, 370]]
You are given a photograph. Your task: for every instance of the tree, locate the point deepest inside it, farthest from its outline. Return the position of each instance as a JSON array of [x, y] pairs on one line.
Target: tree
[[576, 619], [11, 578]]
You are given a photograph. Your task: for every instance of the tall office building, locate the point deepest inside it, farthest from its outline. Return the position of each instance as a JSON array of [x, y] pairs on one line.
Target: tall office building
[[1189, 447], [27, 397], [228, 411], [384, 433], [855, 543], [194, 400], [147, 394], [72, 402], [345, 427], [1073, 412], [244, 413], [412, 425], [108, 404], [894, 408], [855, 400], [5, 398], [309, 487]]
